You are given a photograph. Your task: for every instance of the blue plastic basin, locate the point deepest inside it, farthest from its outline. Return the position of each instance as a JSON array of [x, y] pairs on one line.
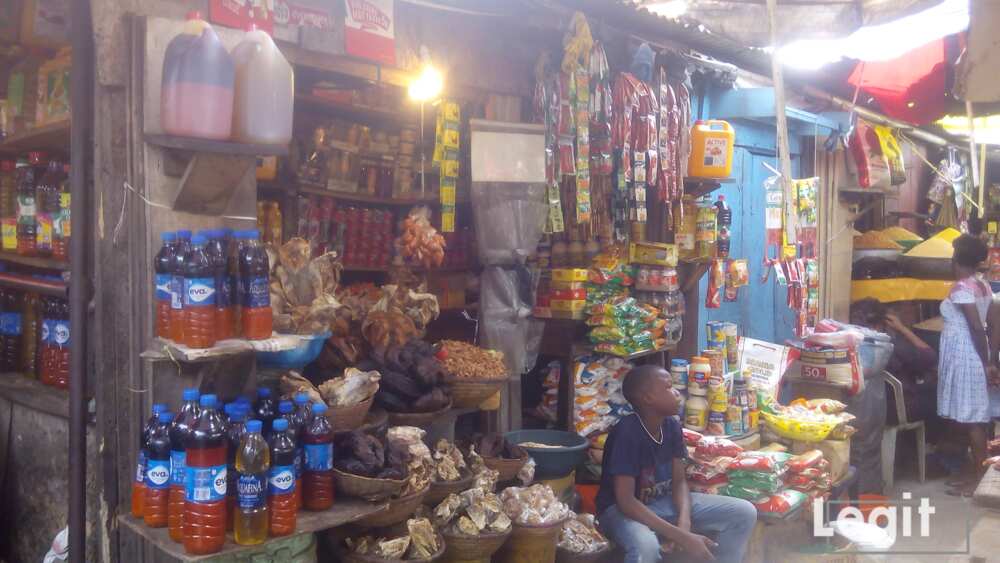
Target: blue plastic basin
[[296, 358], [552, 462]]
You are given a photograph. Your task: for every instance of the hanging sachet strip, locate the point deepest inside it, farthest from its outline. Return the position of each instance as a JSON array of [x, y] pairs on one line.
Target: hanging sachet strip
[[447, 156], [581, 78]]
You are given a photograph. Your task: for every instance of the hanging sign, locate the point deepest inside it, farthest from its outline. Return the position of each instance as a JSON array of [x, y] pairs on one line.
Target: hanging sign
[[369, 30], [296, 14], [238, 13]]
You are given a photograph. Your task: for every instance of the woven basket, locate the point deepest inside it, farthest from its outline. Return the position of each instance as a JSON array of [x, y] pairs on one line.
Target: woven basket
[[350, 557], [460, 547], [508, 468], [344, 419], [441, 489], [366, 488], [418, 419], [566, 556], [399, 510], [531, 544], [469, 393]]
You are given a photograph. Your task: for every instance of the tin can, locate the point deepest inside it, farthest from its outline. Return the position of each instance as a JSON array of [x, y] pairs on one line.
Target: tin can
[[734, 420], [715, 361], [716, 424], [731, 332]]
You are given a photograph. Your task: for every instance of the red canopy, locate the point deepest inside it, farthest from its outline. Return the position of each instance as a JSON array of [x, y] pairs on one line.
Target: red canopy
[[909, 88]]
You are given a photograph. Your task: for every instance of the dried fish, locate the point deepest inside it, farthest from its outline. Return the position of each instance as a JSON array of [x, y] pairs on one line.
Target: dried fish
[[534, 505], [501, 523], [477, 514], [446, 470], [466, 526], [580, 535], [424, 539], [392, 549], [447, 509], [352, 388]]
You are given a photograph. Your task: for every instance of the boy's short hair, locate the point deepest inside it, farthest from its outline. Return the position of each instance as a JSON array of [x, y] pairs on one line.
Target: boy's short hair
[[636, 379]]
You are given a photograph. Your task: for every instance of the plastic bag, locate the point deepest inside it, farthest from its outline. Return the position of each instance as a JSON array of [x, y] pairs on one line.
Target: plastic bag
[[691, 438], [767, 482], [745, 493], [772, 462], [716, 447], [782, 503], [805, 460]]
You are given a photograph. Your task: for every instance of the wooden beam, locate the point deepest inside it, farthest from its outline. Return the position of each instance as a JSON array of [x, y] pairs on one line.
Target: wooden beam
[[784, 157]]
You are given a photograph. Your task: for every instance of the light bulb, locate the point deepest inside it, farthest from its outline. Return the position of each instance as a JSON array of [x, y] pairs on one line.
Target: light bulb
[[427, 86]]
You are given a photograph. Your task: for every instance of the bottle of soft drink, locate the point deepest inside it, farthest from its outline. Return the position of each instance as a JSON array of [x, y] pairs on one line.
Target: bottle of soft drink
[[141, 463], [8, 204], [302, 418], [156, 488], [216, 252], [62, 230], [254, 271], [235, 281], [281, 481], [725, 222], [47, 194], [30, 335], [205, 481], [47, 310], [199, 296], [286, 410], [11, 329], [183, 246], [265, 410], [27, 210], [60, 344], [234, 433], [317, 475], [179, 430], [162, 265], [253, 464]]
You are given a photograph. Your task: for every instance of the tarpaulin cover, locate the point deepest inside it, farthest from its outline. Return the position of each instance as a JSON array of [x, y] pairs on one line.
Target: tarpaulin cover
[[909, 88]]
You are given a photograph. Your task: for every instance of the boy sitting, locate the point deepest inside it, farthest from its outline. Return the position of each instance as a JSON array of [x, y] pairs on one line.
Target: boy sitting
[[644, 498]]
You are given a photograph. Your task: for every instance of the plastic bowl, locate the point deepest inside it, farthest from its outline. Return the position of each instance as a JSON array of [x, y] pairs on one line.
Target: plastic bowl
[[309, 347], [552, 462]]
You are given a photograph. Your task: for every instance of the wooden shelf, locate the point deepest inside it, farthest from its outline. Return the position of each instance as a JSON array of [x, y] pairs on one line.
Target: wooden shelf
[[368, 198], [386, 269], [376, 116], [28, 283], [52, 137], [699, 187], [192, 144], [34, 261], [164, 349], [343, 512], [31, 393]]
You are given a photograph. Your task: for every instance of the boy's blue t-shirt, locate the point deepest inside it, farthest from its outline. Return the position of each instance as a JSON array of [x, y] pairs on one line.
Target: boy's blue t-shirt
[[630, 451]]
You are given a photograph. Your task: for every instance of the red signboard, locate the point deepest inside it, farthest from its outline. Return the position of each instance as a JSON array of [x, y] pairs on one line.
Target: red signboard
[[369, 30]]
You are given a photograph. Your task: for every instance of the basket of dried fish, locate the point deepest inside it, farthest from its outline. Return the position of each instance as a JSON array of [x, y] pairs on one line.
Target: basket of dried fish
[[538, 518], [501, 455], [460, 547], [399, 510], [365, 467], [441, 489], [418, 419], [349, 397], [470, 393], [508, 468], [348, 418], [368, 488], [473, 523], [581, 542], [421, 544]]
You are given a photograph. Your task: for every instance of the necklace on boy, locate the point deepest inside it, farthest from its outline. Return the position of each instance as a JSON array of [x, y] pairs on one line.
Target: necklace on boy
[[650, 434]]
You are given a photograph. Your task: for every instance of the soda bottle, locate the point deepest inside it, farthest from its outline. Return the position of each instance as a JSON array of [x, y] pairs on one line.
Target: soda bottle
[[199, 296], [254, 269], [163, 280], [62, 228], [179, 430], [60, 342], [317, 475], [10, 330], [139, 485], [205, 481], [156, 487], [286, 410], [234, 433], [8, 204], [265, 410], [724, 217], [45, 339], [27, 227], [281, 480], [253, 464], [32, 333], [47, 192], [216, 252], [183, 246], [235, 283]]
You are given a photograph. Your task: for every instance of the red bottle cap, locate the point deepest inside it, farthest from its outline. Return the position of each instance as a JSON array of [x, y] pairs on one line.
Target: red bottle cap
[[193, 15]]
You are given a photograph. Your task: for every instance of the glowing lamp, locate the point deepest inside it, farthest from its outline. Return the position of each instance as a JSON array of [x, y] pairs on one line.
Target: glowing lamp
[[427, 86]]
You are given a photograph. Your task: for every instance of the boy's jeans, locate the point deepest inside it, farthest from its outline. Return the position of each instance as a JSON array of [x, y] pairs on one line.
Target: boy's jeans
[[727, 520]]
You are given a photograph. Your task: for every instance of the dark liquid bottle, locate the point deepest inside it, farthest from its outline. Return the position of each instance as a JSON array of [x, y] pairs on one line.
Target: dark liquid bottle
[[286, 410], [162, 265], [11, 330], [317, 474], [27, 206], [142, 459], [216, 251], [725, 223], [31, 315], [156, 487], [179, 430], [199, 296], [265, 410], [46, 334], [183, 246], [47, 193], [205, 481], [254, 271], [61, 342], [237, 418], [63, 224], [281, 480]]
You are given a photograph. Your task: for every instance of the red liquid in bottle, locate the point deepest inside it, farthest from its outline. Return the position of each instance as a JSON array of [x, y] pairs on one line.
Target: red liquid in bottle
[[179, 430], [28, 178], [183, 246], [281, 480], [163, 280], [47, 195], [254, 271], [317, 471], [205, 482], [156, 486], [63, 224], [142, 458], [237, 419], [199, 297], [46, 339], [216, 252], [60, 345]]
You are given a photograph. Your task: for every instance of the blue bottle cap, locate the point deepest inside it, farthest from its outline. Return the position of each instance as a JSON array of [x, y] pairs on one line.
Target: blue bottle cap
[[165, 417], [168, 236], [242, 400], [183, 233], [254, 426], [319, 408], [263, 392], [678, 362], [279, 425], [159, 407], [199, 240], [190, 394], [301, 398], [208, 401], [226, 232], [285, 407], [239, 414], [228, 408]]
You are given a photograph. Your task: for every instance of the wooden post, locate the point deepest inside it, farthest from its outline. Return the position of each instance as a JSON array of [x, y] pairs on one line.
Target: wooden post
[[784, 157]]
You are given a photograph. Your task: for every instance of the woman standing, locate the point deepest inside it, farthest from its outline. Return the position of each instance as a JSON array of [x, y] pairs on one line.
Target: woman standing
[[966, 367]]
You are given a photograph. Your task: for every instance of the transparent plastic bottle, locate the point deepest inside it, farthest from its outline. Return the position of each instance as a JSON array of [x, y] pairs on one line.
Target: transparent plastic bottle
[[286, 410], [264, 91], [281, 480], [177, 286], [234, 433], [31, 335], [253, 464], [254, 272], [179, 430], [317, 475], [162, 283], [61, 343], [265, 410], [141, 463], [724, 218], [156, 486], [46, 340], [47, 193], [302, 418], [205, 481], [27, 207], [235, 280], [216, 251], [63, 227], [199, 296], [8, 203]]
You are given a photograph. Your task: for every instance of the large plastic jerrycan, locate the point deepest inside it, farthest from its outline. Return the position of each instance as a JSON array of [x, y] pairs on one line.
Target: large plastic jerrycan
[[196, 98], [265, 91]]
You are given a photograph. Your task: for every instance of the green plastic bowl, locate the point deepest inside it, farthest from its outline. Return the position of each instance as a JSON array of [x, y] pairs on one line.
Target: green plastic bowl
[[552, 462]]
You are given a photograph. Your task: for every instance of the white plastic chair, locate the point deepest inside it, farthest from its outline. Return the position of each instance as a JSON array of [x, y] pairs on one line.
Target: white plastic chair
[[890, 432]]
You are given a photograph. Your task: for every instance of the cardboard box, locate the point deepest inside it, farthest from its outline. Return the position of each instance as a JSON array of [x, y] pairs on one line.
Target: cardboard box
[[653, 253], [567, 286], [569, 275], [569, 294], [568, 305], [837, 452]]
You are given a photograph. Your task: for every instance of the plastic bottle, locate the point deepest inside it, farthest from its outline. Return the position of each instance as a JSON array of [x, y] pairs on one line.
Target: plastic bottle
[[205, 481], [31, 335], [237, 417], [47, 192], [27, 228], [253, 464], [281, 480], [46, 308], [317, 474], [724, 218], [62, 229], [286, 410], [60, 344], [254, 269], [303, 418], [199, 296], [11, 330], [196, 96], [141, 463], [235, 281], [216, 251], [183, 246], [179, 430], [264, 91], [265, 410], [8, 204], [705, 235], [163, 279], [696, 410], [156, 486]]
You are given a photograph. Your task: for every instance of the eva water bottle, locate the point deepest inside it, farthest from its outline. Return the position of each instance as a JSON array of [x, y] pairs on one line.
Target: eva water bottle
[[162, 264], [300, 420], [317, 475], [281, 480], [179, 430], [205, 482], [254, 271], [216, 252], [156, 488], [286, 410], [199, 296], [253, 464], [61, 342], [182, 247], [139, 485]]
